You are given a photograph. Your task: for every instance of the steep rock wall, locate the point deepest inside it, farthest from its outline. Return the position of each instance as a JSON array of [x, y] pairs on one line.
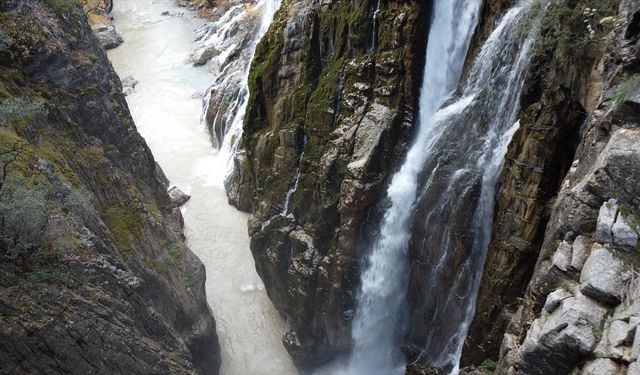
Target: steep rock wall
[[95, 274], [334, 88], [571, 80]]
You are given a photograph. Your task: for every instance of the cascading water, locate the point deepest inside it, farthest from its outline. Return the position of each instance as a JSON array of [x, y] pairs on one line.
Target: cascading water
[[374, 29], [376, 330], [441, 200], [453, 213], [226, 100]]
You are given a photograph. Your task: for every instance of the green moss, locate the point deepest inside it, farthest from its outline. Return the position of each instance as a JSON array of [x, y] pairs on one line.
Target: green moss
[[57, 157], [125, 224], [173, 260], [264, 69], [65, 8]]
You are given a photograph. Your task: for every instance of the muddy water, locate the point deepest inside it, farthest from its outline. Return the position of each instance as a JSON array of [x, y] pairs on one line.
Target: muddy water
[[167, 114]]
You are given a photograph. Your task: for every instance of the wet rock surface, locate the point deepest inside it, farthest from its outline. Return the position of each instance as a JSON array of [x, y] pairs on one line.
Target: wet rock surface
[[566, 124], [593, 330], [330, 112]]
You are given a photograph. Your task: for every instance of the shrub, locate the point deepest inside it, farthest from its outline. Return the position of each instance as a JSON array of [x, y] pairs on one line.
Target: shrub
[[5, 40], [16, 109], [24, 214], [576, 27]]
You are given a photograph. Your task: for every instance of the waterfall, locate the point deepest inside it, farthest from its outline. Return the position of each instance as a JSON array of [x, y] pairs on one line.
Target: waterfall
[[374, 30], [462, 162], [376, 327], [230, 93]]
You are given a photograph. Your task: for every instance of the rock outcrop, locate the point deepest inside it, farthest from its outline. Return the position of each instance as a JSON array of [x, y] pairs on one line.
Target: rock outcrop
[[334, 89], [559, 293], [564, 85], [95, 276]]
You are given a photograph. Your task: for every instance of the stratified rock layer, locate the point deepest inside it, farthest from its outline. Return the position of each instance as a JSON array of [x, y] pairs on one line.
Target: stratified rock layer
[[333, 100], [106, 284]]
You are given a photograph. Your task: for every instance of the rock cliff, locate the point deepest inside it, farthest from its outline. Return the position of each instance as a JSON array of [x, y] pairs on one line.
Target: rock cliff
[[334, 88], [95, 274], [576, 125]]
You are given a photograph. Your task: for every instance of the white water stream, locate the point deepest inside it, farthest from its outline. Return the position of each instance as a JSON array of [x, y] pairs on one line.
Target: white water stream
[[377, 322], [167, 114]]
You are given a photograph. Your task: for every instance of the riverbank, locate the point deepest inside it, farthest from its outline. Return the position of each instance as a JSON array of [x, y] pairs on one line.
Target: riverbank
[[166, 106]]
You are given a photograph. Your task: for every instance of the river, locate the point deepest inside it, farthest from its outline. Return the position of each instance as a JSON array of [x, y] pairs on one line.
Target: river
[[167, 114]]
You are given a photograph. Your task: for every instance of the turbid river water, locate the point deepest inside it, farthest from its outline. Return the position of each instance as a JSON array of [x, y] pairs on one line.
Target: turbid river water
[[167, 114]]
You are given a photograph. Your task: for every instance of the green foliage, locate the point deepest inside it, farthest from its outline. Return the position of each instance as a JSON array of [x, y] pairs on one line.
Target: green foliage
[[5, 40], [26, 34], [575, 27], [15, 109], [173, 260], [64, 7], [517, 172], [24, 213], [625, 90], [489, 366]]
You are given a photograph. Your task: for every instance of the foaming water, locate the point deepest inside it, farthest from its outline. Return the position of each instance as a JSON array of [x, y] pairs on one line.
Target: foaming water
[[226, 100], [167, 114], [377, 326]]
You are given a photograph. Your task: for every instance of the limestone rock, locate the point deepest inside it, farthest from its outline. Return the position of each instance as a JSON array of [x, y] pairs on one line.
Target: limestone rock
[[581, 249], [602, 276], [555, 299], [129, 85], [178, 197], [603, 366], [203, 55], [562, 256], [634, 368], [624, 235], [557, 341], [606, 219]]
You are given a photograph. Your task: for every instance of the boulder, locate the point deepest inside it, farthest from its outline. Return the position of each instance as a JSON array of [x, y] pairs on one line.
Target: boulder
[[129, 85], [558, 341], [555, 298], [616, 338], [109, 37], [624, 236], [634, 368], [562, 256], [178, 197], [203, 55], [602, 276], [580, 252], [606, 219], [603, 366]]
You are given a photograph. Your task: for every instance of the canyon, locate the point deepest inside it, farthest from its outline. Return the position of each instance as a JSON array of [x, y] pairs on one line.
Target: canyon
[[363, 187]]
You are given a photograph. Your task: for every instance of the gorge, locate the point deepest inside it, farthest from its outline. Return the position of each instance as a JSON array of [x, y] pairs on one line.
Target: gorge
[[320, 187]]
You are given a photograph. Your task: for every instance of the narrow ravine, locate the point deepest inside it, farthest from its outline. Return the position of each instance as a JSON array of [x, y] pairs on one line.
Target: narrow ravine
[[166, 107]]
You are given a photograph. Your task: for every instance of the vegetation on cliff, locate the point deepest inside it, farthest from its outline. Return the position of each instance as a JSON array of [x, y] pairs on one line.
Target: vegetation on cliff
[[86, 225]]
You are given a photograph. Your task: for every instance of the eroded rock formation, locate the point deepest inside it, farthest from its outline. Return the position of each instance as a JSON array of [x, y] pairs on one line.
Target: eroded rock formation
[[334, 88], [95, 274]]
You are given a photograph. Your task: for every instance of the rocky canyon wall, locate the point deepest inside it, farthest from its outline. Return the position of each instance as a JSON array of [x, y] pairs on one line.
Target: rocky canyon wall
[[334, 88], [580, 309], [95, 274]]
